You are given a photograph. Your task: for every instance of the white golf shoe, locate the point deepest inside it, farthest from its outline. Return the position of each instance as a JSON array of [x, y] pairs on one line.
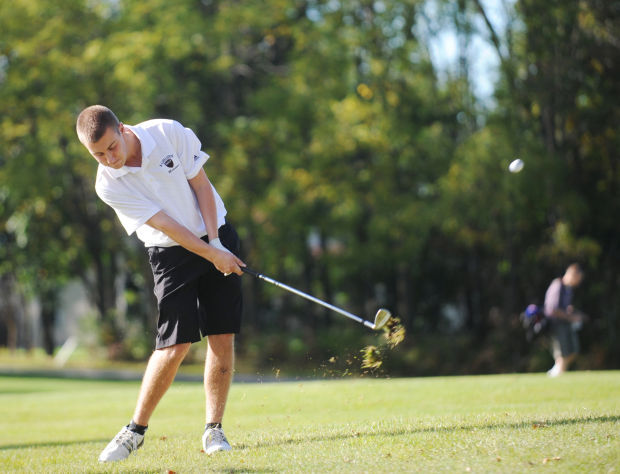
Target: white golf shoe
[[121, 446], [214, 440]]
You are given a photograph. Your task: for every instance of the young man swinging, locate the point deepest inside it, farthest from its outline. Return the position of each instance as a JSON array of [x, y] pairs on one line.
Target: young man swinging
[[152, 175]]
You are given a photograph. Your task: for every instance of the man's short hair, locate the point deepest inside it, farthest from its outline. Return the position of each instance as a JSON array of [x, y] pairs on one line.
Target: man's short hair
[[93, 122]]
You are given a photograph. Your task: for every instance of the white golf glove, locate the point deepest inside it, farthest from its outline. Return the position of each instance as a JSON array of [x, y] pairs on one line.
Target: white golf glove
[[218, 245]]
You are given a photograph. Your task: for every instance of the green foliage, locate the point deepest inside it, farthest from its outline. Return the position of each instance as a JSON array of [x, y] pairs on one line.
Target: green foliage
[[350, 169]]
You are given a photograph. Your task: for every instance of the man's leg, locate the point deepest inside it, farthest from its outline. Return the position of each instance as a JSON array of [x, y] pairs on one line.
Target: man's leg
[[562, 364], [566, 361], [158, 377], [565, 347], [159, 374], [218, 376], [219, 366]]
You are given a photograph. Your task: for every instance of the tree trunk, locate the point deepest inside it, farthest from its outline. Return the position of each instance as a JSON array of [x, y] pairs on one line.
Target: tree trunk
[[49, 305]]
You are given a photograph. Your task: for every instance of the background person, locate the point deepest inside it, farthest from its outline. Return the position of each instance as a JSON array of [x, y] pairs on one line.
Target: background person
[[152, 175], [564, 319]]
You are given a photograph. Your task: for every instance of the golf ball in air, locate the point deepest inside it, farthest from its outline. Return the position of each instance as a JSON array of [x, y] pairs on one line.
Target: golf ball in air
[[516, 165]]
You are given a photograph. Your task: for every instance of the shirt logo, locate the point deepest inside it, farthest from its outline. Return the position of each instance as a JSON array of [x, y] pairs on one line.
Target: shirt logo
[[168, 162]]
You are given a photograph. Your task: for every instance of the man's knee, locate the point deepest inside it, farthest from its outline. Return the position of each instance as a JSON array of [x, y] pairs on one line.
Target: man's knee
[[175, 352], [219, 342], [220, 356]]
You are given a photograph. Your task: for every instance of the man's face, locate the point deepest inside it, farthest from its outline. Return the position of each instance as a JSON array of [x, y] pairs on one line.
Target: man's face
[[111, 149], [574, 278]]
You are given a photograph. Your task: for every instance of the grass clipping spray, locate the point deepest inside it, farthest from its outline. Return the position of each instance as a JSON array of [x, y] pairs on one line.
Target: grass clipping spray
[[393, 335]]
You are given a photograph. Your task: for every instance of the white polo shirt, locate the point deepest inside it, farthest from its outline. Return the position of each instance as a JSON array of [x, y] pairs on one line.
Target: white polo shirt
[[171, 155]]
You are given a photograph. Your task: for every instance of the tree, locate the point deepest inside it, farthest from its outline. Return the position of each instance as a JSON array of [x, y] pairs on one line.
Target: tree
[[53, 225]]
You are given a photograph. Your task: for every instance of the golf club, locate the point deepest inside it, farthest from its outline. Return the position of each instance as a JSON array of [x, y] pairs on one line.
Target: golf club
[[381, 318]]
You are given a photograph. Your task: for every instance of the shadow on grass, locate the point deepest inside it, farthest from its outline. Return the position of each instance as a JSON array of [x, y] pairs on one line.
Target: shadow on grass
[[356, 434], [51, 444], [234, 470], [533, 424]]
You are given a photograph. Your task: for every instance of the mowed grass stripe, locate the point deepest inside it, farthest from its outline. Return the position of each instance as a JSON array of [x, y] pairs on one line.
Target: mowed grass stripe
[[500, 423]]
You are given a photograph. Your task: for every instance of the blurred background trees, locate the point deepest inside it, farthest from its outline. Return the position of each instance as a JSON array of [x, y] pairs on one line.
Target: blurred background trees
[[354, 166]]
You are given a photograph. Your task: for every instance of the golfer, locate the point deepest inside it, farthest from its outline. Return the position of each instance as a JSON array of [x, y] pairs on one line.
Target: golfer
[[564, 318], [152, 175]]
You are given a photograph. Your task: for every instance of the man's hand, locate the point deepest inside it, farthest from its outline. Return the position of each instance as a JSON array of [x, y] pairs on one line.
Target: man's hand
[[215, 252], [574, 315], [225, 261]]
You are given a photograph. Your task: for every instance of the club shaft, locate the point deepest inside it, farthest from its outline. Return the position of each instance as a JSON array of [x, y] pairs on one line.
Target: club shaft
[[309, 297]]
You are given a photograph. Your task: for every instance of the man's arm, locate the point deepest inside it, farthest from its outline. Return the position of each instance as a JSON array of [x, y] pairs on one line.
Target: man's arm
[[571, 314], [203, 190], [225, 262], [567, 315], [552, 304]]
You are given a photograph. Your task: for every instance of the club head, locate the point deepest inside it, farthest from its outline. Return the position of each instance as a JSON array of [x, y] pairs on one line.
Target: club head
[[381, 318]]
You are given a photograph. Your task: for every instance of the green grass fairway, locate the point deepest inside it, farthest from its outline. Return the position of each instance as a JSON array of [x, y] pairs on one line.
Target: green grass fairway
[[501, 423]]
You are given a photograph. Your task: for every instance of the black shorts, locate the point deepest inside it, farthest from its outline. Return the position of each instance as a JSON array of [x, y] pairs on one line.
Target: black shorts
[[564, 339], [194, 298]]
